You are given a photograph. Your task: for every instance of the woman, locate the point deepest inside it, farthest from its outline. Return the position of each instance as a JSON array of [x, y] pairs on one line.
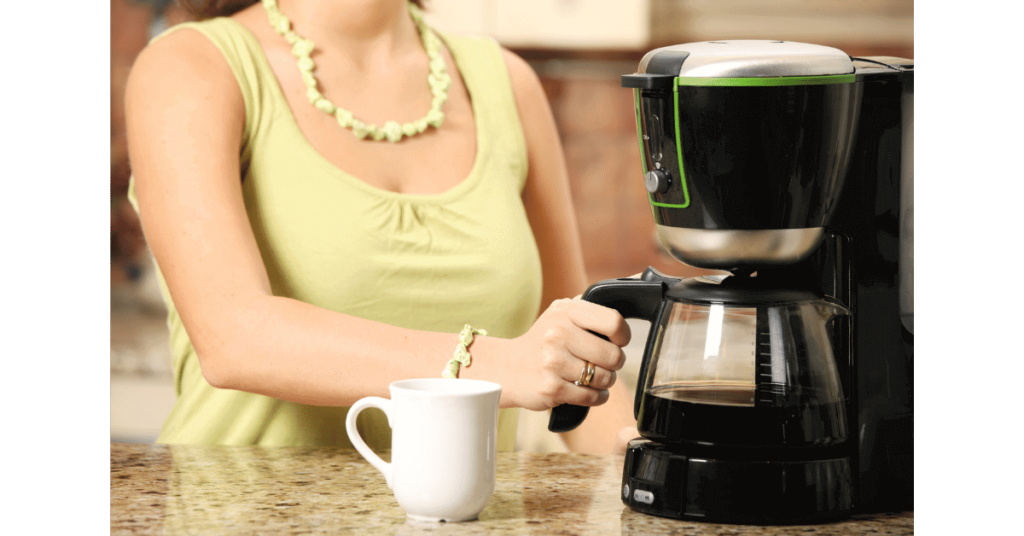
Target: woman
[[310, 259]]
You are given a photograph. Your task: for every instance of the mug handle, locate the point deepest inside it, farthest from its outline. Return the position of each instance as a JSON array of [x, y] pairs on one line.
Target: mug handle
[[382, 404]]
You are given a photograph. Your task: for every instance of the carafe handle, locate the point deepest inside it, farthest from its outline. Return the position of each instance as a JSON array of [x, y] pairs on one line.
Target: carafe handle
[[632, 298]]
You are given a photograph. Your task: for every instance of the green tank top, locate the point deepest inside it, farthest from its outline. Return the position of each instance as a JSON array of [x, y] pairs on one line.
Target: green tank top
[[426, 262]]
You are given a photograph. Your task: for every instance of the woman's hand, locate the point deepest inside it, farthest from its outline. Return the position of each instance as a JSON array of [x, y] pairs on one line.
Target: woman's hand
[[553, 354]]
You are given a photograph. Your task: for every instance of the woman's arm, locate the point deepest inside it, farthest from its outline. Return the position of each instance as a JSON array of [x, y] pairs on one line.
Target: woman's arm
[[185, 119], [550, 210]]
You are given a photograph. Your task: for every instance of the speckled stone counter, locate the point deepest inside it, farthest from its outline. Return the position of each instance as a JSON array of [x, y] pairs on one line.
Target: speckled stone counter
[[160, 489]]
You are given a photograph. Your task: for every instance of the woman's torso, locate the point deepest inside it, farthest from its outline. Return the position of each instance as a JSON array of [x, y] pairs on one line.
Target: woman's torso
[[464, 254]]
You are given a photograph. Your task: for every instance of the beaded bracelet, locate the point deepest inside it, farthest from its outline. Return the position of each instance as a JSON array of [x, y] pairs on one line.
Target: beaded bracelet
[[451, 370]]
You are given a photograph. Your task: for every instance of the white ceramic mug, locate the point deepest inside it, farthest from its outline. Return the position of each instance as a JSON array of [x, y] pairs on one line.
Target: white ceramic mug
[[444, 445]]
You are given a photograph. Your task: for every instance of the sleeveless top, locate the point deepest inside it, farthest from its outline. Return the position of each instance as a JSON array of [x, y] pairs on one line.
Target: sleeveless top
[[426, 262]]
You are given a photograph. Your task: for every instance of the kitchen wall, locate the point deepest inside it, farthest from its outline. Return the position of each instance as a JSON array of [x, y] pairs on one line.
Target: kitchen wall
[[579, 48]]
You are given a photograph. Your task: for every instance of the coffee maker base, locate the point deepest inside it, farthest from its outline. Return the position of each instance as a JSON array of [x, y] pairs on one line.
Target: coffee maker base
[[670, 483]]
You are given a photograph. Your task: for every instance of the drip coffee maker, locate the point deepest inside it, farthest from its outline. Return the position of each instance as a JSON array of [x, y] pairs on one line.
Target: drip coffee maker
[[781, 393]]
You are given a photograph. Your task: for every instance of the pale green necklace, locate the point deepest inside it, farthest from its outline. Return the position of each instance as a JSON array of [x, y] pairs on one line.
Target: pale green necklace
[[392, 131]]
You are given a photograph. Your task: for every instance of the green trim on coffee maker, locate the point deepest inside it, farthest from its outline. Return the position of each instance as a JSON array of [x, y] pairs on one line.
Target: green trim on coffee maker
[[679, 154], [639, 131], [668, 205], [643, 160], [766, 82]]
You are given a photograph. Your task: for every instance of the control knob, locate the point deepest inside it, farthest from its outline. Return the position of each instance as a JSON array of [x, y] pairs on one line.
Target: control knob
[[656, 181]]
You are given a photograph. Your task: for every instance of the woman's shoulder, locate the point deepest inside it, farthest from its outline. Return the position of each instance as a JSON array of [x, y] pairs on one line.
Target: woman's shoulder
[[182, 54], [181, 71], [523, 79], [183, 59], [526, 85], [521, 73]]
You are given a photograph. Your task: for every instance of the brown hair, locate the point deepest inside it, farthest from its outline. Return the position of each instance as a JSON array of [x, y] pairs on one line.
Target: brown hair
[[207, 9]]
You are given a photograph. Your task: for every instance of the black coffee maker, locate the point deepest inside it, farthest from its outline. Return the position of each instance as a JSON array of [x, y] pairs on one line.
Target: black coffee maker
[[782, 393]]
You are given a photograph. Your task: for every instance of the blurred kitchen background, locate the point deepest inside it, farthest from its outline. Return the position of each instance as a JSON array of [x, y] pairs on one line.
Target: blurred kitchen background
[[578, 48]]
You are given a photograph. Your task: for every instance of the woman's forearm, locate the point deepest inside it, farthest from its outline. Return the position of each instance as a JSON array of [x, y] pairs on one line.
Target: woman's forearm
[[295, 351]]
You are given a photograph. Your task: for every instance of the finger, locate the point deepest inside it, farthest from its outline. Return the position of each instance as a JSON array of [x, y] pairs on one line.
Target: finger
[[600, 319], [603, 378], [585, 396], [576, 370], [586, 346]]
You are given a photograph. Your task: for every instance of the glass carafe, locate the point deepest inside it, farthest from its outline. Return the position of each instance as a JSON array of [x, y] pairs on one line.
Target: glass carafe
[[740, 366]]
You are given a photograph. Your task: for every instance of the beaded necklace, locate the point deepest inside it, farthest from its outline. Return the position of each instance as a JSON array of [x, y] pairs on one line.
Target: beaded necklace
[[438, 80]]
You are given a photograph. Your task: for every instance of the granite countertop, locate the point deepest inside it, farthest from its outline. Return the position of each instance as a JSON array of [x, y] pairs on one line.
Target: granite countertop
[[177, 489]]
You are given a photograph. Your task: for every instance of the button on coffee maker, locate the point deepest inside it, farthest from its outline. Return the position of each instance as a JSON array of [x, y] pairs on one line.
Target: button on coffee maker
[[781, 393]]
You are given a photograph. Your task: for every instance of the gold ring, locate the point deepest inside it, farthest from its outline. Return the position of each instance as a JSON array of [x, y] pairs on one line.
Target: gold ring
[[586, 375]]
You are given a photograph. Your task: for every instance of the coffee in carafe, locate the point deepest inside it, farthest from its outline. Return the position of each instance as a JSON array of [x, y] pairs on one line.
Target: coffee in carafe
[[730, 418]]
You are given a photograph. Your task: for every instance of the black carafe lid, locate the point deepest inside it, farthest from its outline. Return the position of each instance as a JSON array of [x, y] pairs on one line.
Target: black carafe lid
[[739, 290]]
